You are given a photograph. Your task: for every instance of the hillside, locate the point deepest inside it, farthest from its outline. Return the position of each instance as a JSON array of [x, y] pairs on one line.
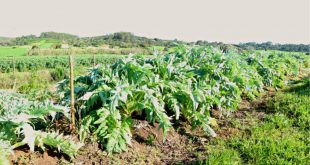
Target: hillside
[[129, 40]]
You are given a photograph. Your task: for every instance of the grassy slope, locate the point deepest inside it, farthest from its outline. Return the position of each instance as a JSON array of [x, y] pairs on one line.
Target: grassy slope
[[10, 51], [281, 136]]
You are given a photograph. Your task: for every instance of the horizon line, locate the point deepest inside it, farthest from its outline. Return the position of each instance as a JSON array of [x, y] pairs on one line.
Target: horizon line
[[149, 37]]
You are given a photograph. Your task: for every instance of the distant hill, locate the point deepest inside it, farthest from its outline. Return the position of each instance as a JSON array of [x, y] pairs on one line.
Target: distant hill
[[129, 40], [58, 36], [119, 39]]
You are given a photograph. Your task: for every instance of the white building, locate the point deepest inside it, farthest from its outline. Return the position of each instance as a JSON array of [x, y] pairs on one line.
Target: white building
[[64, 46]]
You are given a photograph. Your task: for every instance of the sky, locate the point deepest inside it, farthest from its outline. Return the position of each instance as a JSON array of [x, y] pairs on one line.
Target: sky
[[229, 21]]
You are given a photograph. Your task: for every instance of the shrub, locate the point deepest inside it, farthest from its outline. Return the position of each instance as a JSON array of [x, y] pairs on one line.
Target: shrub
[[58, 74]]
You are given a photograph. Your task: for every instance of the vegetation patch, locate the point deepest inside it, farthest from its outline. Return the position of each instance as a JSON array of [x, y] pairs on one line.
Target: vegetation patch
[[12, 51], [280, 137], [184, 85], [169, 109], [31, 63]]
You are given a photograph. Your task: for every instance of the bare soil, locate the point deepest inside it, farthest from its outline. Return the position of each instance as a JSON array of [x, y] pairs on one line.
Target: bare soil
[[182, 145]]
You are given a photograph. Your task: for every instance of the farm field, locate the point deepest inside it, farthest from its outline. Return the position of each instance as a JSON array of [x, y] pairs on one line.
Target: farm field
[[191, 105], [160, 82], [31, 63], [13, 51]]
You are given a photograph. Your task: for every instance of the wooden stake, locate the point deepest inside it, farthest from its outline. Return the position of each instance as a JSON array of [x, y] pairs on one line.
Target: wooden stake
[[94, 61], [14, 77], [13, 59], [72, 110]]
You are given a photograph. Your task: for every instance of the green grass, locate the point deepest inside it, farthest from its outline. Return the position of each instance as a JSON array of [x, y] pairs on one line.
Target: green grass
[[13, 51], [24, 79], [281, 137], [45, 45]]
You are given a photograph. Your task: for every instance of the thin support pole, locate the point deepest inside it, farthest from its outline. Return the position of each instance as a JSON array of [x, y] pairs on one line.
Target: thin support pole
[[72, 110], [14, 76], [94, 61]]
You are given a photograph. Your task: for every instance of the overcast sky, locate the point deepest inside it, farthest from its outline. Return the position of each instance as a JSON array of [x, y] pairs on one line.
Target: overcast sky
[[231, 21]]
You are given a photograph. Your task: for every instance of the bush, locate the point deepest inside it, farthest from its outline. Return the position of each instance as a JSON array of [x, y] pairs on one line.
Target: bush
[[58, 74], [34, 47]]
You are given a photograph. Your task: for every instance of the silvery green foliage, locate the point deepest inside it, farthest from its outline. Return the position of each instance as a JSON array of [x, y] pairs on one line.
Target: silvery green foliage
[[5, 150], [57, 141], [186, 83], [18, 124]]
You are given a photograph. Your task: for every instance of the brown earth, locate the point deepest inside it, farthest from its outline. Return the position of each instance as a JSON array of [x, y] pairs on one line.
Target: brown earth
[[182, 145], [147, 147], [24, 157]]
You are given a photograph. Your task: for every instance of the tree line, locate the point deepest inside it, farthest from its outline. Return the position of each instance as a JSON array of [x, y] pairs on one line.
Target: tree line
[[129, 40]]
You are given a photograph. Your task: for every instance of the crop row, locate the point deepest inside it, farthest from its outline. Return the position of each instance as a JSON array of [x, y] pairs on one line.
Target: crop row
[[29, 63], [185, 84]]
